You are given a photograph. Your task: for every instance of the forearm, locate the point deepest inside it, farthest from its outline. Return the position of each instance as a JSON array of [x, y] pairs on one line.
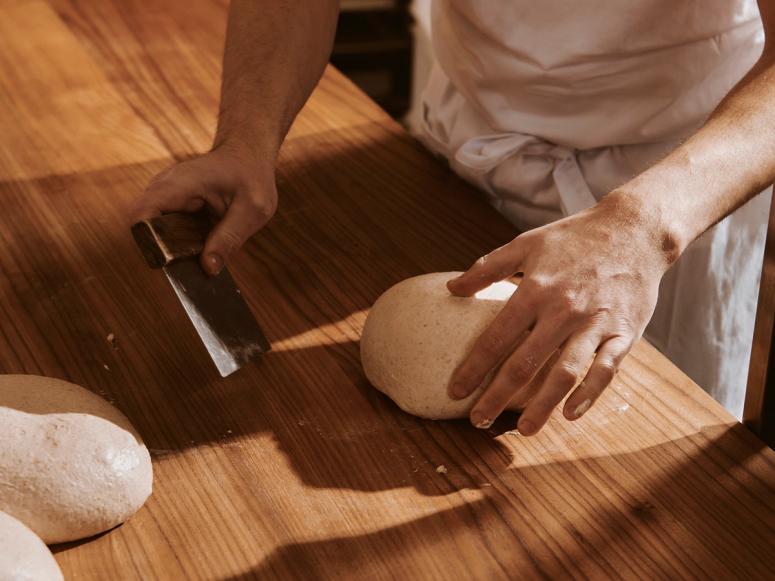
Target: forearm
[[276, 51], [729, 160]]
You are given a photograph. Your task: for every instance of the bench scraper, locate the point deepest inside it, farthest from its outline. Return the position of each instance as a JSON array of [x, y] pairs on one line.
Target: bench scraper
[[215, 306]]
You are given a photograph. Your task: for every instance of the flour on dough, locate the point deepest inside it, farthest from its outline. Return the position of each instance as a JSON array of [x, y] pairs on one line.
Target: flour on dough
[[416, 335], [23, 556], [72, 465]]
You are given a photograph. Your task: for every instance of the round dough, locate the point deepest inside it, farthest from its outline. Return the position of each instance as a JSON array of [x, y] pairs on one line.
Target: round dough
[[23, 556], [72, 465], [417, 334]]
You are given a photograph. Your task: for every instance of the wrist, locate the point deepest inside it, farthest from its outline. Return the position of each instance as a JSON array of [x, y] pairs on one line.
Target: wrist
[[651, 227], [249, 147], [245, 164]]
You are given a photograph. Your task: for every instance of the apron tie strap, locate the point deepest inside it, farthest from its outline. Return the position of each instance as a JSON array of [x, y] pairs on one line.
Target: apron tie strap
[[480, 156]]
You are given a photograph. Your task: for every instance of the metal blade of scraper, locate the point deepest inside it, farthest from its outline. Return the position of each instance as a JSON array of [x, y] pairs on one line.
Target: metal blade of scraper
[[219, 314], [214, 305]]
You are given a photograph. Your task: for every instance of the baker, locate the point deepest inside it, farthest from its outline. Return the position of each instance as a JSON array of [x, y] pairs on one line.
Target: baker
[[628, 142]]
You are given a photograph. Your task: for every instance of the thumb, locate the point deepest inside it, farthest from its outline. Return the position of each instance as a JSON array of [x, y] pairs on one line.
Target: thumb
[[499, 264], [243, 219]]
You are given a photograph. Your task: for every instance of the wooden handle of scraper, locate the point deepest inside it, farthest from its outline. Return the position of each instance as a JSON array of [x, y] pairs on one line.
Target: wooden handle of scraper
[[170, 237]]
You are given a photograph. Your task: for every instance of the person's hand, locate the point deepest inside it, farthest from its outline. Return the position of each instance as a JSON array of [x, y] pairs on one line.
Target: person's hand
[[231, 184], [589, 288]]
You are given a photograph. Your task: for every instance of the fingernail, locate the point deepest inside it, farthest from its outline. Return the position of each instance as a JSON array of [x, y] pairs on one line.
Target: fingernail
[[526, 427], [481, 422], [214, 263], [458, 390], [582, 408]]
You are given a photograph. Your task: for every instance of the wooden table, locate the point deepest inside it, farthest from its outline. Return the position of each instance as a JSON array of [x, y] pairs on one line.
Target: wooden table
[[295, 467]]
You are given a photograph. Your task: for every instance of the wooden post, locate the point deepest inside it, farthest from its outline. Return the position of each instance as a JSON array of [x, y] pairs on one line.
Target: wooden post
[[759, 412]]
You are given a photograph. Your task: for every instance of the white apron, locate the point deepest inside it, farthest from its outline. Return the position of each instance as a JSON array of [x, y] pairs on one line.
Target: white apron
[[547, 106]]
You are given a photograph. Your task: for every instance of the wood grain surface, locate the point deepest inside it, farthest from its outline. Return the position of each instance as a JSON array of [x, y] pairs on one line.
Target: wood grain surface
[[295, 467]]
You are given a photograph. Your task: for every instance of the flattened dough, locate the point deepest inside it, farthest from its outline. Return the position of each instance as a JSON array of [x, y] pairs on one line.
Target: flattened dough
[[72, 465], [23, 556], [415, 336]]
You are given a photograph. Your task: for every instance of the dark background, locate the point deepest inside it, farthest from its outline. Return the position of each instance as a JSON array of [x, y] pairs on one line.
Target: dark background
[[374, 48]]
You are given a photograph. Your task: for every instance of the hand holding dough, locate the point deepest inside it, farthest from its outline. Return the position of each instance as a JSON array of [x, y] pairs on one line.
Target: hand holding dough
[[415, 336], [23, 556], [71, 465]]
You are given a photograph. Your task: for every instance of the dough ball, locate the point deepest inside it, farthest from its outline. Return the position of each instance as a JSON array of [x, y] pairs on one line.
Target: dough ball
[[23, 556], [71, 464], [417, 334]]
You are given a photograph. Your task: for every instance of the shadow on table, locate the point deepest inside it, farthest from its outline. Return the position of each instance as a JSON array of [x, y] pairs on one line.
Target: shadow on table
[[355, 437], [314, 400], [61, 547], [98, 316], [360, 210], [624, 515]]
